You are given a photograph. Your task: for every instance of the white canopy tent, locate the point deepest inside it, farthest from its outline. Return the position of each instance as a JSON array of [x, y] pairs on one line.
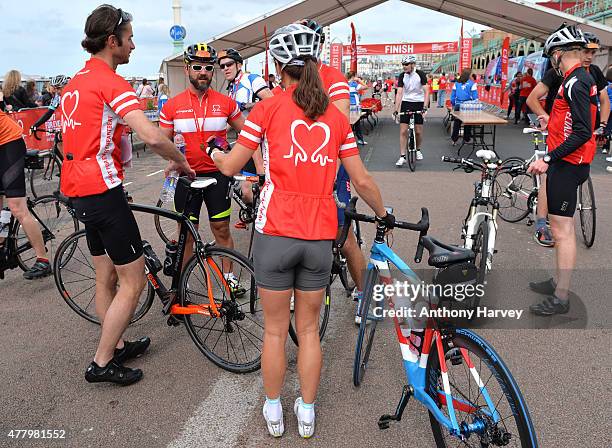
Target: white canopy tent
[[513, 16]]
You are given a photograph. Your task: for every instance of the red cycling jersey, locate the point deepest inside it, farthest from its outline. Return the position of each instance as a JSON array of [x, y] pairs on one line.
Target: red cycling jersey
[[334, 83], [572, 119], [94, 103], [213, 112], [276, 90], [300, 161]]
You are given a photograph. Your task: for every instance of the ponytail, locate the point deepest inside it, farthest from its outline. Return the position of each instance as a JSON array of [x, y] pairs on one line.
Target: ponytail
[[309, 94]]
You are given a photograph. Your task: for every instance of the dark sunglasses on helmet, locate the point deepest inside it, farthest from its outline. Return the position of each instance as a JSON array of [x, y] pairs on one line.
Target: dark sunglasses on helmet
[[199, 68]]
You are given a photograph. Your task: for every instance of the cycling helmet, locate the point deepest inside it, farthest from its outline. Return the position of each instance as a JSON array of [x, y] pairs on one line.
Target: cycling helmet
[[230, 53], [313, 25], [200, 52], [410, 59], [592, 40], [59, 81], [292, 41], [567, 36]]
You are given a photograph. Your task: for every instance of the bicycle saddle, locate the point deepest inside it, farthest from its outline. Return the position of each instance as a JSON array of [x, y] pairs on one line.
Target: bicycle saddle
[[534, 130], [198, 184], [486, 154], [442, 255]]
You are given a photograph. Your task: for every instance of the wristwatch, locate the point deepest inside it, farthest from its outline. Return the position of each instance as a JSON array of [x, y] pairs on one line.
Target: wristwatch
[[547, 158]]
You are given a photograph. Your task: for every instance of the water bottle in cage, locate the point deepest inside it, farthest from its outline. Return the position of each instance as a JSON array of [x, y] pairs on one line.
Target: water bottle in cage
[[171, 250]]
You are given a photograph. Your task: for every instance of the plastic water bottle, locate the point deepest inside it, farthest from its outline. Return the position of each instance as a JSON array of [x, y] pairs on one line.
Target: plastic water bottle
[[169, 187], [5, 222]]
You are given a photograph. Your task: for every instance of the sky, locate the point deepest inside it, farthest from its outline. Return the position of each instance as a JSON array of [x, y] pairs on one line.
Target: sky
[[44, 37]]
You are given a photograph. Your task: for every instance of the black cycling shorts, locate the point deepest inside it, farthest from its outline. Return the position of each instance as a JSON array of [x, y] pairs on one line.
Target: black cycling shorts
[[410, 106], [562, 182], [12, 165], [110, 226], [218, 202]]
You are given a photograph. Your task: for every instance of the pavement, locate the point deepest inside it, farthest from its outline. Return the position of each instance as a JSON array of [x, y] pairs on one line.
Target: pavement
[[184, 400]]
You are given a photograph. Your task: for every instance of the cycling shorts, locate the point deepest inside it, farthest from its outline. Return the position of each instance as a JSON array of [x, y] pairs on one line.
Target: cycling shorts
[[562, 182], [410, 106], [110, 225], [283, 263], [218, 202], [12, 165], [343, 191]]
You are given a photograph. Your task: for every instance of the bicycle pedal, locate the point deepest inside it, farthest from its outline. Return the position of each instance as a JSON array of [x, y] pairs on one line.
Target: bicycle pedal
[[174, 321], [385, 420]]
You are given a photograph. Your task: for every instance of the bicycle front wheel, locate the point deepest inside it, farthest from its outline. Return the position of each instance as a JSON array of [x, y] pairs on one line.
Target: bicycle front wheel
[[483, 392], [367, 327], [411, 151], [75, 278], [46, 181], [234, 339], [586, 204], [513, 192], [323, 317]]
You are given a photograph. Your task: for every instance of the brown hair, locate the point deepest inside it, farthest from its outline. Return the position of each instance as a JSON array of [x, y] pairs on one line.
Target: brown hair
[[465, 75], [12, 81], [101, 24], [309, 94], [350, 75]]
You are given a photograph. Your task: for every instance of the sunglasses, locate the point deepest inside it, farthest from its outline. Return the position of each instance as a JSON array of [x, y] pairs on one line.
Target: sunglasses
[[406, 65], [227, 64], [124, 16], [199, 68]]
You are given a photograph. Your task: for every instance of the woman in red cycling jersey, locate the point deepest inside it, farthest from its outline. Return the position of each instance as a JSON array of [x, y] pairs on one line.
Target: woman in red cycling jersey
[[303, 137]]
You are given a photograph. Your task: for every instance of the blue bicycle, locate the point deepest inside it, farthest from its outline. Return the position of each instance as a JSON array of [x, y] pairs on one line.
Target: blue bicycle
[[472, 398]]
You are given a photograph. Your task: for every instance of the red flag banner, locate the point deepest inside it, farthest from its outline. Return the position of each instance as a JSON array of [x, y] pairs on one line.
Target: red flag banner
[[335, 55], [404, 48], [504, 66], [353, 49], [465, 54]]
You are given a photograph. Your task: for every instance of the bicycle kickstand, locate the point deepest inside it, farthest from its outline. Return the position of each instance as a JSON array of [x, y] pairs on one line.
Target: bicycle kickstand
[[383, 422]]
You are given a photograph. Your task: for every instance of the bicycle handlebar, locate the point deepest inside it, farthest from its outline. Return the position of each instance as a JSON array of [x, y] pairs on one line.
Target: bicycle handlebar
[[48, 131]]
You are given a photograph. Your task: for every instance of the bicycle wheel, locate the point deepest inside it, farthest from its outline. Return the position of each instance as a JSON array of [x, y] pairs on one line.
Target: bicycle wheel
[[46, 181], [234, 340], [483, 393], [56, 221], [587, 208], [323, 319], [367, 328], [513, 192], [167, 229], [411, 151], [75, 278], [480, 248]]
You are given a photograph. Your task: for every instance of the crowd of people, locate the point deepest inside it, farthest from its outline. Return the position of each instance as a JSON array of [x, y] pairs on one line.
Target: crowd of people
[[292, 257]]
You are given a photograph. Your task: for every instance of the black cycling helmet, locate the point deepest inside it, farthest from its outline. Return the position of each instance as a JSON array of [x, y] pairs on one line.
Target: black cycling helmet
[[592, 40], [313, 25], [200, 52], [230, 53]]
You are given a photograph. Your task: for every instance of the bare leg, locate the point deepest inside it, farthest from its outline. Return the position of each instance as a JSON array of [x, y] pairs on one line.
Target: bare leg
[[403, 138], [19, 209], [354, 259], [275, 306], [542, 208], [106, 287], [565, 251], [418, 130], [223, 237]]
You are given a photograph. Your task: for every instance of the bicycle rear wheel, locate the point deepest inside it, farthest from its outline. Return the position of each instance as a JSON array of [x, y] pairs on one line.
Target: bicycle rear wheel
[[323, 319], [513, 192], [367, 328], [56, 221], [75, 278], [483, 392], [234, 340], [167, 229], [411, 151], [46, 181], [480, 248], [587, 208]]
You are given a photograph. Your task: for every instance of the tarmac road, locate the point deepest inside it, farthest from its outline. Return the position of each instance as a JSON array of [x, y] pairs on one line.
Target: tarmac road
[[184, 400]]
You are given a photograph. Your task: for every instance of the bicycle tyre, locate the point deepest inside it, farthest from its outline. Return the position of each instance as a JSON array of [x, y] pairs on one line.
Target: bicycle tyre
[[367, 328], [250, 305], [46, 181], [69, 250], [480, 248], [167, 229], [411, 151], [588, 216], [323, 319], [57, 226], [500, 375], [519, 199]]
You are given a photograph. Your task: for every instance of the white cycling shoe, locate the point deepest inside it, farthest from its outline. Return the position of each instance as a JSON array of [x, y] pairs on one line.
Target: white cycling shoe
[[305, 418], [401, 161], [276, 428], [419, 155]]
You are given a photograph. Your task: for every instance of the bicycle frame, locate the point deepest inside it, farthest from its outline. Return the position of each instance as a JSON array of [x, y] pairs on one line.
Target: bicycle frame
[[414, 365]]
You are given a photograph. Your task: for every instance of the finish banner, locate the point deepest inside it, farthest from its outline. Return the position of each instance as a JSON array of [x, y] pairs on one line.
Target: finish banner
[[335, 56], [404, 48]]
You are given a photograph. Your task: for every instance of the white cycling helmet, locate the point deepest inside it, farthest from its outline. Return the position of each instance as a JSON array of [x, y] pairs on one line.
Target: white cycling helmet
[[292, 41], [59, 81], [568, 36], [410, 59]]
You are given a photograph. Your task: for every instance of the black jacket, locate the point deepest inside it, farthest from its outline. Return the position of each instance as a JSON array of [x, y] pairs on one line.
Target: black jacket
[[19, 100]]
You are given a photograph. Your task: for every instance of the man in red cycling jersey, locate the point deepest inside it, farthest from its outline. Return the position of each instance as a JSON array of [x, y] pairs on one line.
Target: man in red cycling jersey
[[200, 113], [96, 104], [571, 148]]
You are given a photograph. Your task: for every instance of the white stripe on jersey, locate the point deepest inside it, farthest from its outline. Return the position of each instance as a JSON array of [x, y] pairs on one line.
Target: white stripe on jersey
[[266, 192], [348, 146], [210, 124], [252, 125], [122, 97], [161, 120], [126, 104], [338, 84], [107, 146], [339, 92], [250, 136]]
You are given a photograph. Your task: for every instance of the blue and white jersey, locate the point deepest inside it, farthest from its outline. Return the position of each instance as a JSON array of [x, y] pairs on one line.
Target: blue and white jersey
[[55, 102], [245, 88]]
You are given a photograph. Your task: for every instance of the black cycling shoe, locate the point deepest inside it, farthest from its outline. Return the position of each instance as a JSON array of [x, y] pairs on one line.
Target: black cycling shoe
[[112, 373], [39, 270], [550, 306], [546, 287], [132, 350]]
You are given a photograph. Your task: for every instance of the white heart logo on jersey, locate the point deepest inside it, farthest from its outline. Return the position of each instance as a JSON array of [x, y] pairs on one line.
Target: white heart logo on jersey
[[68, 98], [302, 155]]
